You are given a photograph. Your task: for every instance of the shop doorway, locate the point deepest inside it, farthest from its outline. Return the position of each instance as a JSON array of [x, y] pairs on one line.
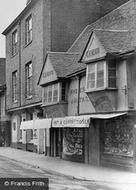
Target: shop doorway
[[56, 142]]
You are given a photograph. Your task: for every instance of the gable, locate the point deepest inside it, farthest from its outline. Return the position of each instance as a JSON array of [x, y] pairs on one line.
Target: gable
[[93, 50], [48, 73]]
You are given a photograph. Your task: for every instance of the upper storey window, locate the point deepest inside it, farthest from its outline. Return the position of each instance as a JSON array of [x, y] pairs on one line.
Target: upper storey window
[[14, 42], [14, 86], [28, 79], [54, 93], [101, 75], [28, 30]]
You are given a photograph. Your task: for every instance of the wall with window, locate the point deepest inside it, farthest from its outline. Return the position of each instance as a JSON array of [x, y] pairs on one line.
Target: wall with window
[[27, 46], [106, 85]]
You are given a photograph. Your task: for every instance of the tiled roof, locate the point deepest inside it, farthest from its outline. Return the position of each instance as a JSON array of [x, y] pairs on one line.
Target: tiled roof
[[121, 19], [114, 40], [65, 63], [2, 72]]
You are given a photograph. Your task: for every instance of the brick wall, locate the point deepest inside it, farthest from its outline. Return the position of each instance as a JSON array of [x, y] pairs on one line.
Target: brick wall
[[33, 52]]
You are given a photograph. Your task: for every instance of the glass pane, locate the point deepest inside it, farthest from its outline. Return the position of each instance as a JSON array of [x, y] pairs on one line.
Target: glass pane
[[50, 94], [55, 93], [100, 75], [45, 95]]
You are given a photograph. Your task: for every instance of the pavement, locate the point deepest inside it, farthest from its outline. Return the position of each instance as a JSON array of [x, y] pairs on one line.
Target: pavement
[[122, 179]]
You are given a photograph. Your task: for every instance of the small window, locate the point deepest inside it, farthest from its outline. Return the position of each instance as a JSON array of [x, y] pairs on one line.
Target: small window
[[28, 73], [28, 30], [14, 42], [14, 86]]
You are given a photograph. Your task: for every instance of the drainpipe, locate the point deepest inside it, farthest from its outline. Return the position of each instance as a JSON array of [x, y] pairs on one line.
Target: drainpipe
[[78, 94]]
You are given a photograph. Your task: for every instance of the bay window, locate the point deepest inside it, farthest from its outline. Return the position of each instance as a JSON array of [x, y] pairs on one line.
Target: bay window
[[101, 75]]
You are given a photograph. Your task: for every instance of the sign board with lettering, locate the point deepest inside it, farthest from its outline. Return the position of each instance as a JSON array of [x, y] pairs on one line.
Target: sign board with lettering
[[48, 73], [85, 105], [94, 50], [75, 121]]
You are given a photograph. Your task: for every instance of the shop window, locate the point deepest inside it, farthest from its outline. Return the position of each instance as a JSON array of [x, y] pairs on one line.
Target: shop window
[[101, 75], [118, 137], [14, 86], [73, 141], [14, 42], [28, 80], [28, 30]]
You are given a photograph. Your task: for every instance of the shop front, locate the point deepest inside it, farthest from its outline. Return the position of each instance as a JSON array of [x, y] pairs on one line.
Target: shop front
[[117, 137], [35, 135], [71, 144]]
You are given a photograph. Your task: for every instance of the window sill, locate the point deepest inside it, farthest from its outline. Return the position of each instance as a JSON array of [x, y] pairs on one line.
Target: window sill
[[27, 44], [54, 103], [100, 89]]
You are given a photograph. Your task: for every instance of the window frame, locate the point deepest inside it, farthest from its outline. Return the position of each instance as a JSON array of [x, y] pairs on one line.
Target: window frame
[[14, 86], [14, 42], [105, 77], [28, 30], [28, 79], [52, 89]]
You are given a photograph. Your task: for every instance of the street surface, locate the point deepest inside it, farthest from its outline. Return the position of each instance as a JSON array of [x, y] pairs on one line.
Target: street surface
[[10, 168]]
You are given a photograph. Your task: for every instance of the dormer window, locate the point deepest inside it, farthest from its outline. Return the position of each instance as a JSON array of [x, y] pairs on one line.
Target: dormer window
[[101, 75]]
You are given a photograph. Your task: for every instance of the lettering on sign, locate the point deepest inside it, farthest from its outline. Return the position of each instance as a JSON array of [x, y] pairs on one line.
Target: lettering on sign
[[92, 52], [70, 122], [47, 74]]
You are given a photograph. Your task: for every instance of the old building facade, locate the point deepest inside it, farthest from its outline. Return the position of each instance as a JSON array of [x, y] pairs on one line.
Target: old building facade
[[35, 31], [98, 72]]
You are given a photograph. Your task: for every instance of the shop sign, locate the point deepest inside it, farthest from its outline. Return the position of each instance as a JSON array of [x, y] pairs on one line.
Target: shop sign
[[75, 121]]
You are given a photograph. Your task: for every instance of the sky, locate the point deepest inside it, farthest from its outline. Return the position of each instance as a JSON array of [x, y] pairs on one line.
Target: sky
[[9, 10]]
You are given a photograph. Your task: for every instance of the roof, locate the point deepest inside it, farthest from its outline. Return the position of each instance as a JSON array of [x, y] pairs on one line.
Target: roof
[[2, 72], [117, 22], [65, 63], [19, 17]]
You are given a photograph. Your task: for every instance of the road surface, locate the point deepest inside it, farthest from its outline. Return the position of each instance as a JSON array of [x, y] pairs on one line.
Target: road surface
[[10, 168]]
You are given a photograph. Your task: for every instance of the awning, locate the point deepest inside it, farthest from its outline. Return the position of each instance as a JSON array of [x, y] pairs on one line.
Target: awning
[[27, 125], [42, 123], [81, 121], [107, 115], [71, 122]]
